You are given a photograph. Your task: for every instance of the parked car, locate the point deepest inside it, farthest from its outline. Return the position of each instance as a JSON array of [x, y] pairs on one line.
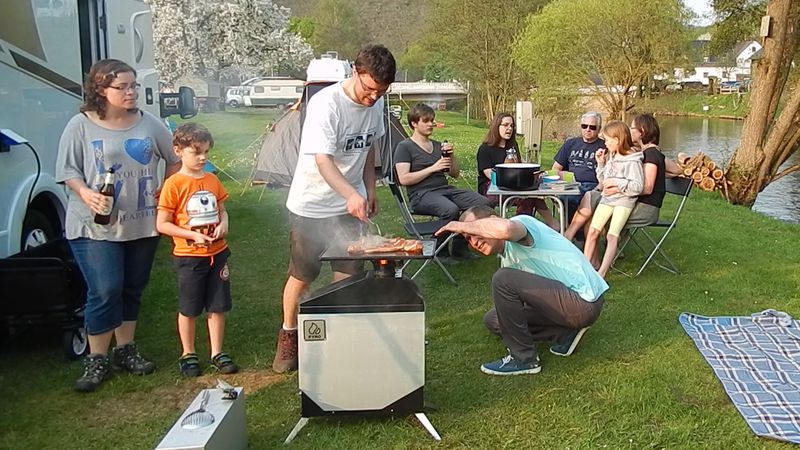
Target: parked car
[[235, 96]]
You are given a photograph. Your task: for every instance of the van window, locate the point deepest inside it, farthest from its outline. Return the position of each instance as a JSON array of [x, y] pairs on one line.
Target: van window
[[275, 88], [258, 89], [299, 89]]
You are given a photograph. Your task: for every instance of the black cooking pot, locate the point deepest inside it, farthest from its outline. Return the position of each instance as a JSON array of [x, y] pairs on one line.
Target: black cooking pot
[[518, 176]]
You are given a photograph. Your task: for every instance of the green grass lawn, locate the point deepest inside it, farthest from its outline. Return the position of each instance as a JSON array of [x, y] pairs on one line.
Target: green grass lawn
[[636, 381]]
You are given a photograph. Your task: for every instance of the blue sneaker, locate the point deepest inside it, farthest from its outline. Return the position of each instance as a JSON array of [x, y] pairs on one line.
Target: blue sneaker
[[510, 366], [570, 342]]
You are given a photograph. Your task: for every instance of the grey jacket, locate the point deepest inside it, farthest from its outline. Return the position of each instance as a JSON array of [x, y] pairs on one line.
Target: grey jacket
[[627, 174]]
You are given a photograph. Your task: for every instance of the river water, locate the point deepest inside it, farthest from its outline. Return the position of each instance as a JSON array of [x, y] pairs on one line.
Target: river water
[[718, 138]]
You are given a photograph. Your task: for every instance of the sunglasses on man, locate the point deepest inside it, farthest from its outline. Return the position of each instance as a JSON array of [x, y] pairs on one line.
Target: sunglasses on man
[[591, 127]]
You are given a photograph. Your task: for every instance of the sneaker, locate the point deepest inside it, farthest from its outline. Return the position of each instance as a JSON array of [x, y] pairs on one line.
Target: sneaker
[[286, 353], [510, 366], [569, 343], [96, 369], [190, 365], [222, 362], [127, 357]]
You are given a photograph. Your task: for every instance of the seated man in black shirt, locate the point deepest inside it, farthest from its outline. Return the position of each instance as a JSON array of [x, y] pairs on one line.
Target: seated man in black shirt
[[577, 156], [422, 167]]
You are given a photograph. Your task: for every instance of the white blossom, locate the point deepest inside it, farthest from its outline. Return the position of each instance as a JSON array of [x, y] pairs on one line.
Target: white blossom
[[216, 39]]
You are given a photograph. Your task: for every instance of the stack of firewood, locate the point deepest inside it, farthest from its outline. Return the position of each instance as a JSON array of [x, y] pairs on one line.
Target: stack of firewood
[[703, 171]]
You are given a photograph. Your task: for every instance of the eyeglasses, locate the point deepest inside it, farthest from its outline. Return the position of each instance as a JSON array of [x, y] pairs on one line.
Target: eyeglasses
[[591, 127], [126, 87], [370, 90], [507, 125]]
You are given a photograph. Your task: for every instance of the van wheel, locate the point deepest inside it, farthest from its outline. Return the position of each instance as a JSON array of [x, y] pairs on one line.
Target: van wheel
[[233, 104], [36, 230]]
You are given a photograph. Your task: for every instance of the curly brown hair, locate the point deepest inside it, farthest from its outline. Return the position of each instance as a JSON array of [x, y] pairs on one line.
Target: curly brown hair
[[101, 75], [191, 133]]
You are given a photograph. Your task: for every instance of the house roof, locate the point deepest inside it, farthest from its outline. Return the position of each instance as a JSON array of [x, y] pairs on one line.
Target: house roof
[[741, 46]]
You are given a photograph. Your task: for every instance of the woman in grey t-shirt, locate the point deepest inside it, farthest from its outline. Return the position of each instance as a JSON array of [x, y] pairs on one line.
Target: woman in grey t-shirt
[[112, 134]]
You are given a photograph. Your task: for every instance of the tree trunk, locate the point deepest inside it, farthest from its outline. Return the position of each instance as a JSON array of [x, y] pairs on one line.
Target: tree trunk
[[756, 160]]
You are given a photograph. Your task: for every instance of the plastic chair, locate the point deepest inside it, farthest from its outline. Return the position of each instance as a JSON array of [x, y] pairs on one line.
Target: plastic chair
[[649, 245], [421, 230]]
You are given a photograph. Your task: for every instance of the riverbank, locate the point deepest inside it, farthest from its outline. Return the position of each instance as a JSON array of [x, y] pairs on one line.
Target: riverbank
[[695, 104]]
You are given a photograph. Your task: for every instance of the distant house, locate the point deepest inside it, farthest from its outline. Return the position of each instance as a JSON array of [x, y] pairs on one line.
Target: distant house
[[735, 67]]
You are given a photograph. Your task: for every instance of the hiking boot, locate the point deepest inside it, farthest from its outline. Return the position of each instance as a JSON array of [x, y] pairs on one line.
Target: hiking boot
[[190, 365], [127, 357], [568, 344], [508, 365], [286, 353], [224, 363], [96, 369]]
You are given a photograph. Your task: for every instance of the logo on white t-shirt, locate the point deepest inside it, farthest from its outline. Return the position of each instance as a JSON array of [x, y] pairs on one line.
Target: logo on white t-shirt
[[359, 142]]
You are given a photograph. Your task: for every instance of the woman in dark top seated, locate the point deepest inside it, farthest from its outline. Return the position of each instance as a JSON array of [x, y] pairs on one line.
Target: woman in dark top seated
[[501, 137], [646, 134]]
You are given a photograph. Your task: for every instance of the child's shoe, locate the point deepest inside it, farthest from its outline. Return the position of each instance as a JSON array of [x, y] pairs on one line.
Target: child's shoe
[[224, 363], [190, 365]]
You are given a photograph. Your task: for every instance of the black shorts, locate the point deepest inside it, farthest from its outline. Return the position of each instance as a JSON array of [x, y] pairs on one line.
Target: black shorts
[[308, 239], [203, 283]]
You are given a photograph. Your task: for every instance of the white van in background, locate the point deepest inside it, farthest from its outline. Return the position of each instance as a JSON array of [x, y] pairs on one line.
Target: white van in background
[[274, 91], [45, 50]]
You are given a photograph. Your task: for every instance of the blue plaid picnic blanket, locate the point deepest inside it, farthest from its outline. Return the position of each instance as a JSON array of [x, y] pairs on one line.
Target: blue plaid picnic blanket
[[757, 359]]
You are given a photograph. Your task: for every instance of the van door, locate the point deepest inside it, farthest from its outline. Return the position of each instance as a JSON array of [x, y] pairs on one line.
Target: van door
[[129, 33]]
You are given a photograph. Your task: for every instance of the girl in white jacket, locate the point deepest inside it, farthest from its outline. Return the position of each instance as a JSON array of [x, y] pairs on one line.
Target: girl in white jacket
[[620, 177]]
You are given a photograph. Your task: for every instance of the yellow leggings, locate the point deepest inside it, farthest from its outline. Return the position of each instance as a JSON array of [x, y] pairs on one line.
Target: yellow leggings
[[618, 214]]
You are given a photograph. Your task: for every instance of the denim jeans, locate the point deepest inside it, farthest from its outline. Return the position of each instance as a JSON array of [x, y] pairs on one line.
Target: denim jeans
[[116, 273]]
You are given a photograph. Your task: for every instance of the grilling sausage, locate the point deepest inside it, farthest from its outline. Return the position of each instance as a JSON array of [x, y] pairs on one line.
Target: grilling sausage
[[394, 245]]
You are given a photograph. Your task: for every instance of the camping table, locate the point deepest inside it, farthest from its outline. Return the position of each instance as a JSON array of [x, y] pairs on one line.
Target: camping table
[[505, 196]]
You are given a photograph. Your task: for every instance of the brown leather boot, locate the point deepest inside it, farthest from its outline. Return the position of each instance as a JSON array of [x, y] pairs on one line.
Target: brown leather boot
[[286, 353]]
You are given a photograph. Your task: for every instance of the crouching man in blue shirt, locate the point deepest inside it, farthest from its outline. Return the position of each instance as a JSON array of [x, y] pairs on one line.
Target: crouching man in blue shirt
[[545, 290]]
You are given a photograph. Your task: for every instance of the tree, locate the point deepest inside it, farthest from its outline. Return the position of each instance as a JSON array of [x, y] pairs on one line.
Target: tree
[[771, 130], [337, 27], [211, 38], [621, 43], [475, 38]]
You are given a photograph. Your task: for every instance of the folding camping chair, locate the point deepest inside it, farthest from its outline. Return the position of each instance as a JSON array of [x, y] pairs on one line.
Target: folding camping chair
[[421, 230], [652, 247]]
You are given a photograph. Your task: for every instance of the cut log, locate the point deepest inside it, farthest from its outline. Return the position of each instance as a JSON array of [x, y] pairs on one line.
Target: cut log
[[710, 164], [688, 171], [707, 184], [697, 177], [717, 174], [682, 158], [705, 171]]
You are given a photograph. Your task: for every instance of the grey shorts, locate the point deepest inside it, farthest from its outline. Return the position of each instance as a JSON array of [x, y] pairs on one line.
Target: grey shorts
[[308, 239]]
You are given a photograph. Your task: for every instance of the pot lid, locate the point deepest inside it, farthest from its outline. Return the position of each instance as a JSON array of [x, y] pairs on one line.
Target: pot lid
[[519, 166]]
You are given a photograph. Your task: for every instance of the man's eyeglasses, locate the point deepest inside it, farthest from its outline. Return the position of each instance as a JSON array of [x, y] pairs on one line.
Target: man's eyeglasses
[[126, 87], [370, 90], [591, 127]]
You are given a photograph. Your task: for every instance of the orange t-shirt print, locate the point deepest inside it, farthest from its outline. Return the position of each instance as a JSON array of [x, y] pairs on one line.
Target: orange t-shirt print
[[194, 204]]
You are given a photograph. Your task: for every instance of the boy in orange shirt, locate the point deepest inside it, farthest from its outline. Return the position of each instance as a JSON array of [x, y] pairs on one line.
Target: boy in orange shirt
[[191, 210]]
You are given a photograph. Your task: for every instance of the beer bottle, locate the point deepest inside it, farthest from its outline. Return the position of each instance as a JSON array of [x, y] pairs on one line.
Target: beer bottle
[[446, 153], [106, 189]]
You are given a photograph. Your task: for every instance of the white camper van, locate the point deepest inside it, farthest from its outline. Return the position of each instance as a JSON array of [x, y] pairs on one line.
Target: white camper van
[[44, 52], [274, 91]]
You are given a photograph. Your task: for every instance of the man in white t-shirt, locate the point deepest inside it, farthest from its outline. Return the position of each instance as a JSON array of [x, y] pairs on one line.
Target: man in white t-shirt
[[333, 189]]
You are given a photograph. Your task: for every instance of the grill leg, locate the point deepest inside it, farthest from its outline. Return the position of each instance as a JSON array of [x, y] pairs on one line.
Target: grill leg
[[423, 419], [300, 424]]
